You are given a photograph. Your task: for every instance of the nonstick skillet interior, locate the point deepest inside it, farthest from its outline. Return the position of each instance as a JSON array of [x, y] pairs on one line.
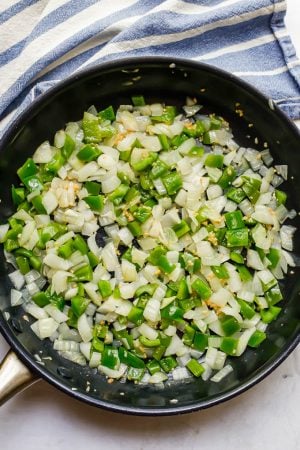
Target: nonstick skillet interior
[[169, 81]]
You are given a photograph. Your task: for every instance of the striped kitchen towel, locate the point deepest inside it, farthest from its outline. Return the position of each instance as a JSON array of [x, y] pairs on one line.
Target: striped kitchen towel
[[44, 41]]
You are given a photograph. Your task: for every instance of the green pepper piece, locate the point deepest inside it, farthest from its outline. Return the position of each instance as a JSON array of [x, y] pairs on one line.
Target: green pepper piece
[[68, 148], [88, 153], [110, 357], [196, 151], [79, 305], [268, 315], [227, 177], [28, 169], [214, 161], [164, 264], [274, 295], [73, 320], [107, 114], [24, 205], [167, 117], [18, 195], [135, 228], [15, 222], [195, 130], [84, 273], [100, 331], [172, 312], [251, 187], [155, 254], [234, 220], [159, 352], [58, 301], [41, 299], [146, 182], [172, 182], [195, 368], [220, 272], [236, 194], [80, 290], [151, 202], [202, 288], [52, 231], [130, 358], [280, 197], [237, 238], [135, 374], [215, 122], [93, 259], [200, 342], [178, 140], [153, 366], [125, 155], [105, 288], [158, 169], [272, 283], [274, 257], [146, 289], [23, 252], [97, 345], [237, 257], [229, 325], [244, 273], [23, 264], [132, 194], [136, 315], [164, 140], [149, 342], [92, 130], [203, 214], [33, 183], [145, 162], [181, 228], [35, 262], [118, 194], [80, 244], [55, 164], [138, 100], [142, 301], [142, 213], [92, 187], [127, 255], [168, 364], [188, 335], [229, 345], [10, 245], [95, 202], [183, 290], [37, 202], [257, 338], [246, 310], [14, 232], [189, 303], [66, 250]]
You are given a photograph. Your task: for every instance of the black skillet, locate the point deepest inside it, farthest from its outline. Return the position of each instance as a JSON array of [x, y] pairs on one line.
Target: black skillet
[[164, 80]]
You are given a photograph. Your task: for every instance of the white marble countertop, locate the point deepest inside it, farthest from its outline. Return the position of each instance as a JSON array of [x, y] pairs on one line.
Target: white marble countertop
[[264, 418]]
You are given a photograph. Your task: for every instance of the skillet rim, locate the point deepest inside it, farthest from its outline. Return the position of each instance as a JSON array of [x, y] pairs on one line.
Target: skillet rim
[[11, 338]]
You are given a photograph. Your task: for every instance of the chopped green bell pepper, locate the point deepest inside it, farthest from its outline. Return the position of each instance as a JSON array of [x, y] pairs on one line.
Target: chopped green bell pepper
[[202, 288], [195, 368], [172, 182], [229, 325], [88, 153], [105, 288]]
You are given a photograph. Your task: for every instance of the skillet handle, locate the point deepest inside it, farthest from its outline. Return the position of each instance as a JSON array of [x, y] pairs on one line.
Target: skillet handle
[[14, 377]]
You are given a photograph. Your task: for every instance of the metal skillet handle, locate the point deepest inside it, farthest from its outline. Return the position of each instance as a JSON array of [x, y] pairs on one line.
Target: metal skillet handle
[[14, 377]]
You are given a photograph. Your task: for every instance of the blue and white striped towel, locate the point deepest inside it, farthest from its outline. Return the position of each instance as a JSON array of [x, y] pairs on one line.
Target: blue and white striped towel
[[43, 41]]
